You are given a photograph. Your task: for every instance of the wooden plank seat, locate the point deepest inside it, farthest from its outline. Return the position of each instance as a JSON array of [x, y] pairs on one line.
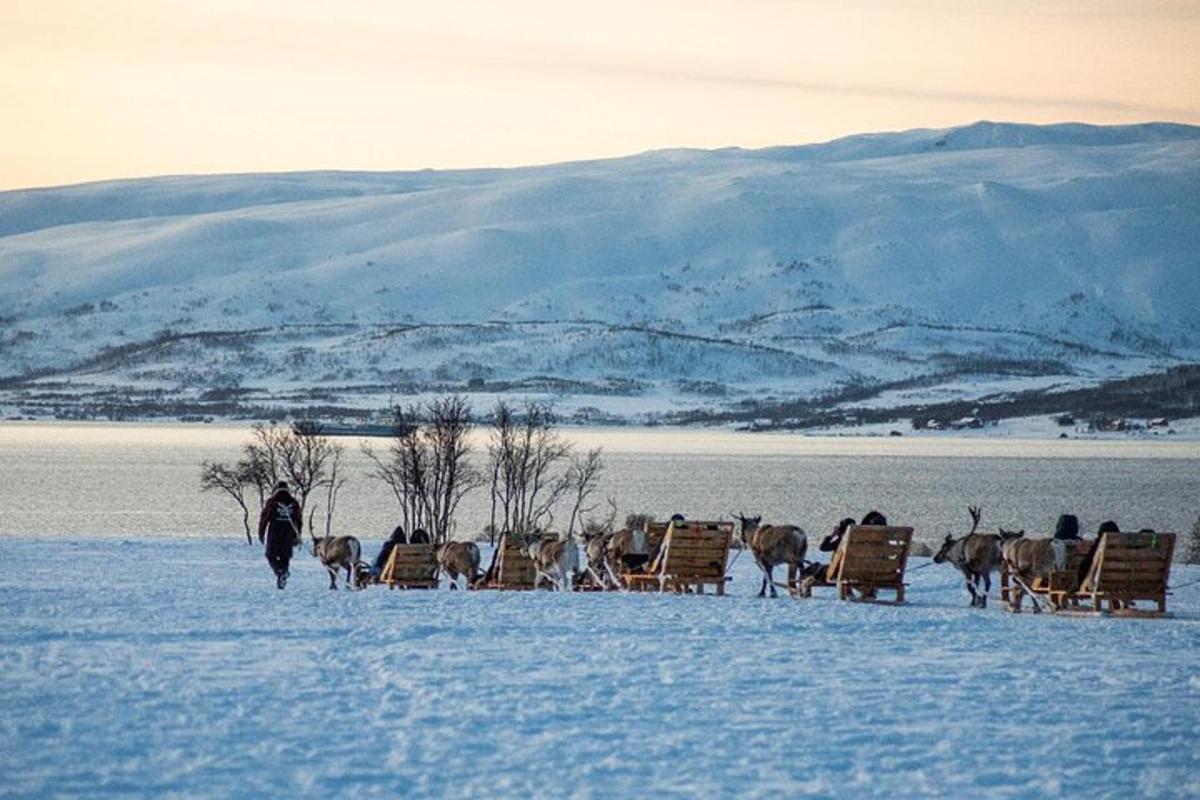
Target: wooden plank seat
[[869, 559], [1126, 568], [513, 570], [411, 566], [692, 555]]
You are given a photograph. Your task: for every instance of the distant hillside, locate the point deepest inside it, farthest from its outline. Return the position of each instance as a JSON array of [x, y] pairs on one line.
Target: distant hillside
[[958, 263]]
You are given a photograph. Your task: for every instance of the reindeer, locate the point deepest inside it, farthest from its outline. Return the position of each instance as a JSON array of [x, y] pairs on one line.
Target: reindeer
[[459, 558], [976, 556], [773, 545], [337, 553], [1028, 560], [595, 546], [596, 537], [557, 561]]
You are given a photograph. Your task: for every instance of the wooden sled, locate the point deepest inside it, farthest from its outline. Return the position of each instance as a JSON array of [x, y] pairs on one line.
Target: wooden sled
[[411, 566], [693, 555], [512, 570], [870, 558], [1126, 568]]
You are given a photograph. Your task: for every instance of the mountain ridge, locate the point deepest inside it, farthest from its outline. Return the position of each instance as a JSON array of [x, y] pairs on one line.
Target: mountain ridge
[[789, 272]]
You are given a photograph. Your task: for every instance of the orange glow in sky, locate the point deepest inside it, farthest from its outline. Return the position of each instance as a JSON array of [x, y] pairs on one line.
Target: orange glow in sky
[[105, 89]]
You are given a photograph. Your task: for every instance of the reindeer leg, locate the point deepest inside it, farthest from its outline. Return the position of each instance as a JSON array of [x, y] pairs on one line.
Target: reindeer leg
[[332, 577], [771, 581]]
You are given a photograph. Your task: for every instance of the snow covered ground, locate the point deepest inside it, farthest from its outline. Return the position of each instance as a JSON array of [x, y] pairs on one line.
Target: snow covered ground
[[171, 667]]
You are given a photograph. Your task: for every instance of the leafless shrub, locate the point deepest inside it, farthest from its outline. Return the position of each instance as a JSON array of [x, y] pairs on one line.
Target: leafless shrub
[[427, 463], [300, 454], [525, 453], [233, 482]]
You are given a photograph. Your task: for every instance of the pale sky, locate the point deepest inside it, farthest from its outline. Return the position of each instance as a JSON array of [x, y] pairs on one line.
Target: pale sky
[[105, 89]]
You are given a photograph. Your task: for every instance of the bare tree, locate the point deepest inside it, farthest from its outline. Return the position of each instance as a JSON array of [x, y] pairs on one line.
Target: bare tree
[[300, 454], [219, 477], [305, 455], [583, 475], [501, 444], [427, 464], [262, 456], [333, 485], [403, 467], [525, 452], [451, 475]]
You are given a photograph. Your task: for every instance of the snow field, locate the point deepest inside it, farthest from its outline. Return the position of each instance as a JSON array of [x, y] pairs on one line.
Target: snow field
[[172, 667]]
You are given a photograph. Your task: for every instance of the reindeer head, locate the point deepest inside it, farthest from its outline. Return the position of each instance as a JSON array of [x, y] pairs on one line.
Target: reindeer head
[[318, 544], [1006, 535], [748, 526], [944, 552], [531, 543]]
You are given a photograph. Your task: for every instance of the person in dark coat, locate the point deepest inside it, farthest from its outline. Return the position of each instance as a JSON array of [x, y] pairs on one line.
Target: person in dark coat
[[398, 537], [279, 527], [819, 573], [420, 536], [874, 518], [831, 542], [1067, 527]]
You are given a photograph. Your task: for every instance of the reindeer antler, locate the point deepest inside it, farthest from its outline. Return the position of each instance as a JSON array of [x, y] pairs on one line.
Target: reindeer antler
[[612, 518], [976, 513]]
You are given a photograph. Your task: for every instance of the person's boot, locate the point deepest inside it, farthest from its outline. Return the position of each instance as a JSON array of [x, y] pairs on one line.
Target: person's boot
[[281, 580]]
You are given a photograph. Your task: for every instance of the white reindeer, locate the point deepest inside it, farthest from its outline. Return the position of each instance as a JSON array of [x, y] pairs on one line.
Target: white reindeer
[[557, 561]]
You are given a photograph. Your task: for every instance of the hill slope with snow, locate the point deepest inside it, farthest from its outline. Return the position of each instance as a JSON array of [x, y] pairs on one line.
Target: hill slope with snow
[[967, 260]]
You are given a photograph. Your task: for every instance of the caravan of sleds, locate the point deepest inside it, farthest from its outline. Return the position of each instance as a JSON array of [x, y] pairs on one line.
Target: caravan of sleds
[[1113, 573]]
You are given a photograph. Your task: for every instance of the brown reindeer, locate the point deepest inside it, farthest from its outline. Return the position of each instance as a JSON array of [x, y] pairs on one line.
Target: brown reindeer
[[1028, 560], [976, 556], [337, 553], [773, 545], [595, 547], [459, 558], [557, 560]]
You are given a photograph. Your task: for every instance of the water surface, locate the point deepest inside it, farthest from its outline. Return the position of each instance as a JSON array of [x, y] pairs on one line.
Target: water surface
[[64, 479]]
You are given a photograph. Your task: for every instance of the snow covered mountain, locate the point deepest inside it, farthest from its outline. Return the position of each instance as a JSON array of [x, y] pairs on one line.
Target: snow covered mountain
[[951, 263]]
